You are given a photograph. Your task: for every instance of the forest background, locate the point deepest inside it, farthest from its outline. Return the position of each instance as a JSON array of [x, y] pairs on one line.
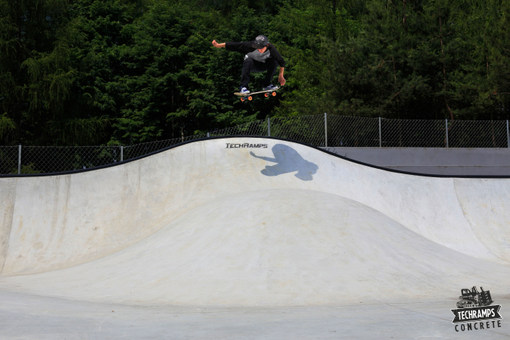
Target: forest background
[[95, 72]]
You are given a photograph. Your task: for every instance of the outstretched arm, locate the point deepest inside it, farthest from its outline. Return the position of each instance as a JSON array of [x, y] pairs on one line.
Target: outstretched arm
[[218, 45], [269, 159]]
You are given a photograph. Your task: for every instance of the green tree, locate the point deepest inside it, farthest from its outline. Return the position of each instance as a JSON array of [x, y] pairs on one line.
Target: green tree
[[313, 37], [10, 54], [480, 77], [116, 71]]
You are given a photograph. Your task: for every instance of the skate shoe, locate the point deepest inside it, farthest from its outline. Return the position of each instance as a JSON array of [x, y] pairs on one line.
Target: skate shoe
[[270, 87]]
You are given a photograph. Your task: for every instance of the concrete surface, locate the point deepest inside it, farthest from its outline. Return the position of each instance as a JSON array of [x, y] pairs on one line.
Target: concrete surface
[[248, 238], [33, 317]]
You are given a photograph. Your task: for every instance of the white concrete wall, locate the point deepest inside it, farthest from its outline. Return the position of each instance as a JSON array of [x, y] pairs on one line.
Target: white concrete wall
[[228, 222]]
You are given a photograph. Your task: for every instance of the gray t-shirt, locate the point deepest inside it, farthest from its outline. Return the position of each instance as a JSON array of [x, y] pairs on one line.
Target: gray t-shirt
[[257, 56]]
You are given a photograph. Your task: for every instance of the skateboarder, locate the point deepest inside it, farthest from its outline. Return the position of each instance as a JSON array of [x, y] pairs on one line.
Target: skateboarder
[[260, 56]]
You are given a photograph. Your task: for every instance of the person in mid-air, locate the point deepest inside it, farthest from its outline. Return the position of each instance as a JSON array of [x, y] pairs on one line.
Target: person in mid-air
[[260, 56]]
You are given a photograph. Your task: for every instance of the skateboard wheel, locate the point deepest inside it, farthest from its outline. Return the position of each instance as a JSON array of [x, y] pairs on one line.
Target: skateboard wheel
[[250, 97], [266, 95], [273, 94]]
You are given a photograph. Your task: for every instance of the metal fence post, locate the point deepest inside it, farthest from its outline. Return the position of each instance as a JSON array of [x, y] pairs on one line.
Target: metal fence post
[[446, 133], [325, 129], [507, 134], [121, 153], [19, 159], [268, 127], [380, 132]]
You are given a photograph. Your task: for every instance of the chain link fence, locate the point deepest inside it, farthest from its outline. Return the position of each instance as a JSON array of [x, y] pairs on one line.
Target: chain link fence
[[319, 130]]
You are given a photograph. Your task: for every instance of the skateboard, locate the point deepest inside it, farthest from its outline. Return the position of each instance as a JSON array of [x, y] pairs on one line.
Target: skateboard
[[249, 96]]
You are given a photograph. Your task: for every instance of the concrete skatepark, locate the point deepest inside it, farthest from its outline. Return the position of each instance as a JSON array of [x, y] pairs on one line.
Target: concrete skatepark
[[249, 238]]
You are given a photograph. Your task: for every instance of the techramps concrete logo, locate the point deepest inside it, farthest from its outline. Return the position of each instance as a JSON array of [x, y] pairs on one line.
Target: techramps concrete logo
[[475, 311], [246, 146]]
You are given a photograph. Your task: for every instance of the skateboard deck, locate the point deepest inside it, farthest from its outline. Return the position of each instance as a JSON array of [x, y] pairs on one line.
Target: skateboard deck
[[249, 96]]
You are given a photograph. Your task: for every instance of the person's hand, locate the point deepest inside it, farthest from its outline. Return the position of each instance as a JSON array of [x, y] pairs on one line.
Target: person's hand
[[218, 45], [282, 80]]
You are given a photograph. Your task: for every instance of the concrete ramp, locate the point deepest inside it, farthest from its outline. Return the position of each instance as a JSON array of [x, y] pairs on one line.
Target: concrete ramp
[[252, 222]]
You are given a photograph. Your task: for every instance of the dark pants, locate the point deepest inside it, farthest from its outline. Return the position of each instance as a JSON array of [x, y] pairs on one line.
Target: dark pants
[[250, 65]]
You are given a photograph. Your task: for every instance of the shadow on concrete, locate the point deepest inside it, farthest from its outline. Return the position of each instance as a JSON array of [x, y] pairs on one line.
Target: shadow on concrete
[[288, 160]]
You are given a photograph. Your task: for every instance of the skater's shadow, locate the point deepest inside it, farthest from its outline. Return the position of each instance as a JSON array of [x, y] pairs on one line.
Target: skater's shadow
[[288, 160]]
